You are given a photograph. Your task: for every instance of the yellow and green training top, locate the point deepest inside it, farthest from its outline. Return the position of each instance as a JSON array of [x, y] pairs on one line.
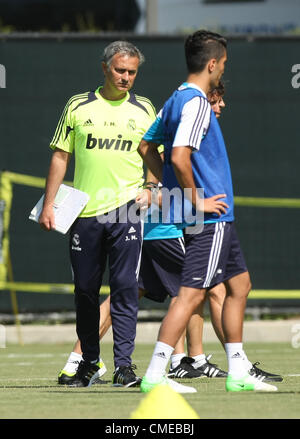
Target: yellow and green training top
[[104, 136]]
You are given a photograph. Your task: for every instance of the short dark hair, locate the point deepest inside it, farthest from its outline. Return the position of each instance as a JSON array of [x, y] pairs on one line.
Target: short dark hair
[[219, 90], [200, 47]]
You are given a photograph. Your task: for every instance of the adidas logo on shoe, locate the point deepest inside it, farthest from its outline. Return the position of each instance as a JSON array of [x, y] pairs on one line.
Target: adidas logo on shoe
[[124, 376], [185, 369], [86, 374], [211, 370], [262, 375]]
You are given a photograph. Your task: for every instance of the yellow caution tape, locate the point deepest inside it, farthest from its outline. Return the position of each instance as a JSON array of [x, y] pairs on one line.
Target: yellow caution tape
[[6, 194], [267, 202], [27, 180], [32, 287], [274, 294]]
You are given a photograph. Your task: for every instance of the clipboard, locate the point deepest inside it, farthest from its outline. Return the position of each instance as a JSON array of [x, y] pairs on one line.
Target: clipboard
[[68, 204]]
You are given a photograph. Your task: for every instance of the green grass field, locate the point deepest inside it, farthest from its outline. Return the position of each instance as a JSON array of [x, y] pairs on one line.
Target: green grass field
[[29, 390]]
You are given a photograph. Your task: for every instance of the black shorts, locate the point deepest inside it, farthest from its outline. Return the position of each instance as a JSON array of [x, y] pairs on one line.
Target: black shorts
[[161, 265], [212, 256]]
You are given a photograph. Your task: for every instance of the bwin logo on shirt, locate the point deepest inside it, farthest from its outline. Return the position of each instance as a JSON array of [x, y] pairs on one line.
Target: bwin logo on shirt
[[122, 145]]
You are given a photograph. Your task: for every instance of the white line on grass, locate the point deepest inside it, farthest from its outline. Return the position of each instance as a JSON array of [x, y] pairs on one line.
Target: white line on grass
[[26, 380], [28, 363], [32, 355]]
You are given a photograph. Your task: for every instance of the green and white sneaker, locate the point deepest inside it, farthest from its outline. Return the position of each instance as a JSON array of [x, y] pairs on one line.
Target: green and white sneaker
[[147, 385], [67, 375], [247, 383]]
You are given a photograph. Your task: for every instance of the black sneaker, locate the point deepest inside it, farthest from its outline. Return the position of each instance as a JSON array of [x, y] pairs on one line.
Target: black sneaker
[[124, 376], [86, 374], [262, 375], [211, 370], [65, 377], [185, 369]]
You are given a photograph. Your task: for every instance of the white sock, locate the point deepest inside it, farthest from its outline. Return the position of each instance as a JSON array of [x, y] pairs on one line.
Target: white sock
[[176, 359], [199, 360], [159, 361], [248, 364], [72, 362], [235, 358]]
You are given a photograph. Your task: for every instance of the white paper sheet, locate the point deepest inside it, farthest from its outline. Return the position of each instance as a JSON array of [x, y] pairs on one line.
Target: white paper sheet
[[68, 204]]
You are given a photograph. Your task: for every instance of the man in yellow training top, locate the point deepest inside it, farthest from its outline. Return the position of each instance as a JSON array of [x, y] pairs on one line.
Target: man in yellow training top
[[103, 129]]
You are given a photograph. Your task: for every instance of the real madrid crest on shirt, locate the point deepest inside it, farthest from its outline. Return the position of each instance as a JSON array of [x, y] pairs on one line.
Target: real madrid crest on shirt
[[131, 124]]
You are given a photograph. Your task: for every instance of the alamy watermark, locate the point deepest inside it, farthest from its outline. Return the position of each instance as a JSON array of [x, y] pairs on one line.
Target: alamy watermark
[[2, 336], [2, 76], [296, 78], [175, 207], [296, 337]]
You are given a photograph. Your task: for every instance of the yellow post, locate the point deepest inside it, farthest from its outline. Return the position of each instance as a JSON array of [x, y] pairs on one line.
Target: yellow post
[[5, 260], [14, 302]]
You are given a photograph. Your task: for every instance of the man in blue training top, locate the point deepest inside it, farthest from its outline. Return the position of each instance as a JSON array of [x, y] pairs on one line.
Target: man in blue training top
[[196, 157]]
